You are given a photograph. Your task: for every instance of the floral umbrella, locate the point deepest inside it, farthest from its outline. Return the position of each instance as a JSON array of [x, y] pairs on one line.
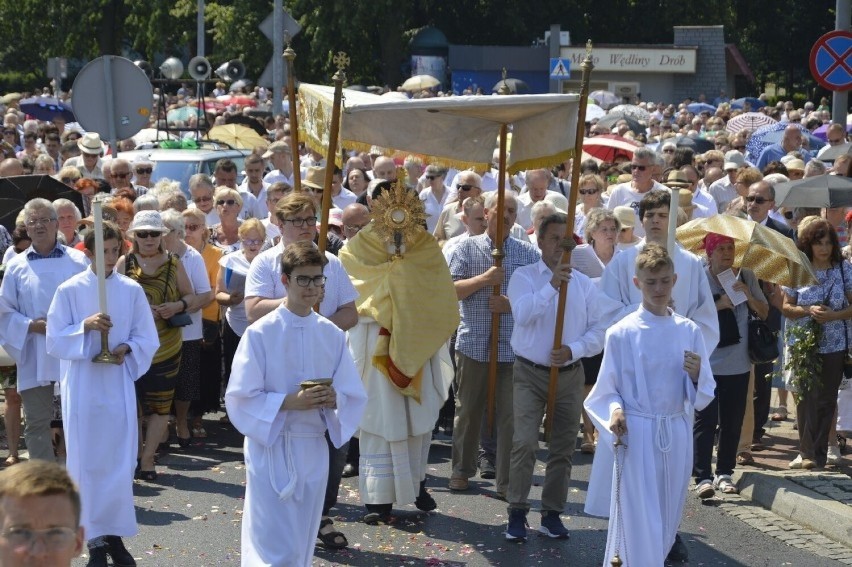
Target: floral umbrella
[[632, 111], [750, 120], [758, 141]]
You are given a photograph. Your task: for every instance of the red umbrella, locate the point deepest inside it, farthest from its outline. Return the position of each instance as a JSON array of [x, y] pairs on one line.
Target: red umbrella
[[239, 100], [607, 147], [214, 105]]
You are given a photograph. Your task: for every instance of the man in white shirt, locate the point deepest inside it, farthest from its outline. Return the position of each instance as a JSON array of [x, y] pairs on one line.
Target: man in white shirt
[[724, 190], [700, 198], [534, 293], [632, 192], [89, 161], [281, 158], [537, 190], [255, 185], [274, 193]]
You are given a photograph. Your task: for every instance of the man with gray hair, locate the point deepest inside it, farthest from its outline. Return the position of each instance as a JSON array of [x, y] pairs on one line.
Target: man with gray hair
[[631, 193], [28, 287], [537, 182], [68, 217]]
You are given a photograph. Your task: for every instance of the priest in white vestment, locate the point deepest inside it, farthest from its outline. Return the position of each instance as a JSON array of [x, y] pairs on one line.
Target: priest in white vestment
[[285, 448], [648, 375], [99, 400], [407, 309]]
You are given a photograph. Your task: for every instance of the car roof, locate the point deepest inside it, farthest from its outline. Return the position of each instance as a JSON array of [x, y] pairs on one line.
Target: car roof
[[201, 154]]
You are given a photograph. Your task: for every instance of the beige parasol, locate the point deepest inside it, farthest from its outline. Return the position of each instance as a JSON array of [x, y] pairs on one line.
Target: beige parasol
[[769, 254], [237, 136]]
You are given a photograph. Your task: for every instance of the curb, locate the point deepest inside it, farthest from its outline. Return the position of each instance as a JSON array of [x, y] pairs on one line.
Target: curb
[[797, 503]]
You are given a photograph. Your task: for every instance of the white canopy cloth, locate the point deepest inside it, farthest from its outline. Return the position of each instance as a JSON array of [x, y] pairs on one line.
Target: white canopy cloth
[[458, 131]]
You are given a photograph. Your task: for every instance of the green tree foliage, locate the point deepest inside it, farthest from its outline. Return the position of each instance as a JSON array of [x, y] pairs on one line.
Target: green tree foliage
[[774, 35]]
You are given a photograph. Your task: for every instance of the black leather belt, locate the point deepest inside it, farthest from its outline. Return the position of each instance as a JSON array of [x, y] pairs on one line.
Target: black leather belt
[[562, 369]]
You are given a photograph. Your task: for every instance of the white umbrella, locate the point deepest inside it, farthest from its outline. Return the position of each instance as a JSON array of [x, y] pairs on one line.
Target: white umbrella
[[594, 112], [632, 111], [420, 82], [750, 120], [605, 99]]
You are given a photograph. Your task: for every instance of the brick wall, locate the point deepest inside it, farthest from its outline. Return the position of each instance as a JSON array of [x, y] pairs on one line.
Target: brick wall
[[710, 75]]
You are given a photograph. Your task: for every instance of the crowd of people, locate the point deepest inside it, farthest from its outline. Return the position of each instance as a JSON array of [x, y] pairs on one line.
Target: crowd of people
[[212, 286]]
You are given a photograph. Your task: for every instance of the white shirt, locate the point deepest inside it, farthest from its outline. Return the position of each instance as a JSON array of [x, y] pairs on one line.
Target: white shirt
[[264, 280], [272, 230], [723, 192], [344, 198], [451, 244], [704, 199], [193, 263], [276, 176], [236, 263], [259, 208], [433, 206], [525, 206], [624, 195], [588, 313]]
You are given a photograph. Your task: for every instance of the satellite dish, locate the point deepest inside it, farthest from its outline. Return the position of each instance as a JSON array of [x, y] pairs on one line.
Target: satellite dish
[[199, 68], [172, 68], [112, 96], [145, 66], [233, 70]]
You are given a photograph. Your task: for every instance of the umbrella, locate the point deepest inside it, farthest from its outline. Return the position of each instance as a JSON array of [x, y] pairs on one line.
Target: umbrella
[[516, 86], [420, 83], [757, 141], [698, 145], [633, 111], [749, 120], [247, 121], [46, 108], [607, 147], [698, 107], [769, 254], [237, 85], [835, 152], [820, 191], [739, 104], [151, 135], [237, 136], [822, 131], [814, 143], [605, 99], [16, 191], [394, 95], [183, 113], [594, 112], [611, 119], [237, 100]]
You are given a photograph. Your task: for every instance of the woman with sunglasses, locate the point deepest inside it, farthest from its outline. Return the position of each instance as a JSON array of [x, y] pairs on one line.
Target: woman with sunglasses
[[230, 287], [591, 197], [169, 292], [197, 237], [225, 234]]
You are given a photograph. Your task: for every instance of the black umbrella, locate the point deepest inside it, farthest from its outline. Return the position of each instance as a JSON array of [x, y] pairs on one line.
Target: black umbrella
[[817, 192], [247, 121], [16, 191], [610, 120], [698, 145], [516, 86]]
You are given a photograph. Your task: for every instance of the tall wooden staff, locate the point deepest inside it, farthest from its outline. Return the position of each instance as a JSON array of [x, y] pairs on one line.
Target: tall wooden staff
[[497, 254], [568, 239], [342, 61], [290, 55]]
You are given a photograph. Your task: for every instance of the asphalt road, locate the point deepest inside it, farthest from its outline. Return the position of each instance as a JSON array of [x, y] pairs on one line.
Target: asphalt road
[[191, 517]]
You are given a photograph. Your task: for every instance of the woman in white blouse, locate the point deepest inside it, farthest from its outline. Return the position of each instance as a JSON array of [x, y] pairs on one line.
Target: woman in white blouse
[[591, 197]]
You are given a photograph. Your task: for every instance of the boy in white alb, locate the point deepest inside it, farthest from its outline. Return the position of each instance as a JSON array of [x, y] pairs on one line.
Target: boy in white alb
[[285, 449], [653, 377]]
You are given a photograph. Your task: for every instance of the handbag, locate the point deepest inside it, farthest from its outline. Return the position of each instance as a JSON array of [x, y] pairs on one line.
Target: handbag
[[181, 319], [762, 340], [729, 332]]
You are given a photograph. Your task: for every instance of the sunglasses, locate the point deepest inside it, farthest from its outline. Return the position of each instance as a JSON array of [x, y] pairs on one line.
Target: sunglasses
[[68, 180], [639, 167], [122, 175], [202, 199], [758, 200], [252, 242], [221, 202], [431, 177], [466, 187], [788, 215], [144, 170], [668, 151], [588, 191], [147, 233], [193, 227]]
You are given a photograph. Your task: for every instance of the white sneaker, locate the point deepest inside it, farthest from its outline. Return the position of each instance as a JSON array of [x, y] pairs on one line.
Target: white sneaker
[[833, 456], [704, 489], [796, 463]]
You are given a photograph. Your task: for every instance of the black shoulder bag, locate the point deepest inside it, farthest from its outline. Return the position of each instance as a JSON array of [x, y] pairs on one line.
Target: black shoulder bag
[[762, 340], [181, 319]]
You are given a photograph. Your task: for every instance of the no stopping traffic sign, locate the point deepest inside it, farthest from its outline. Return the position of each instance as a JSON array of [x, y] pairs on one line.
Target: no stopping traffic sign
[[831, 60]]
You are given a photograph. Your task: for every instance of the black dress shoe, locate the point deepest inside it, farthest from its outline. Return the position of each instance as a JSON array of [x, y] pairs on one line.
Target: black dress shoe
[[98, 557], [120, 556], [678, 552], [349, 470], [486, 469]]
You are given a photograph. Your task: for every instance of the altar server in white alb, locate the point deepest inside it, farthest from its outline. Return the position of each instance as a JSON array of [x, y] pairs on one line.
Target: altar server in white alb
[[285, 449], [99, 400], [654, 376]]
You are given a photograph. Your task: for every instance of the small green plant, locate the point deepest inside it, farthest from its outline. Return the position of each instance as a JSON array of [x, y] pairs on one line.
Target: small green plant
[[803, 360]]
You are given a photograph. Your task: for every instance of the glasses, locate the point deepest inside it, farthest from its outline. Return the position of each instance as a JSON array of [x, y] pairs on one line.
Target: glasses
[[431, 177], [461, 187], [37, 222], [836, 142], [310, 221], [758, 200], [222, 202], [739, 148], [588, 191], [202, 199], [144, 170], [52, 538], [305, 281], [788, 215], [252, 242], [668, 151], [192, 227], [639, 167], [69, 180], [147, 233], [122, 175]]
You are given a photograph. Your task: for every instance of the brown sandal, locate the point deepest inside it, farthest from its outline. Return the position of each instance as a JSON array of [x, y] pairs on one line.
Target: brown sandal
[[11, 460]]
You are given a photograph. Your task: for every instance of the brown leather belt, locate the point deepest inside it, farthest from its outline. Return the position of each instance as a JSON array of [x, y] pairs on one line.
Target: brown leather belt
[[562, 369]]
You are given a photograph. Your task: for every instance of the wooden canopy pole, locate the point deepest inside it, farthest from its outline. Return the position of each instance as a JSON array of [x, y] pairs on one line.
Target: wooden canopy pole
[[342, 61], [568, 239], [290, 55]]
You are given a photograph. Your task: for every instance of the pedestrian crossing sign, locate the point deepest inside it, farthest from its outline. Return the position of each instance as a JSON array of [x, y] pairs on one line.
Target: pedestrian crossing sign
[[560, 68]]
